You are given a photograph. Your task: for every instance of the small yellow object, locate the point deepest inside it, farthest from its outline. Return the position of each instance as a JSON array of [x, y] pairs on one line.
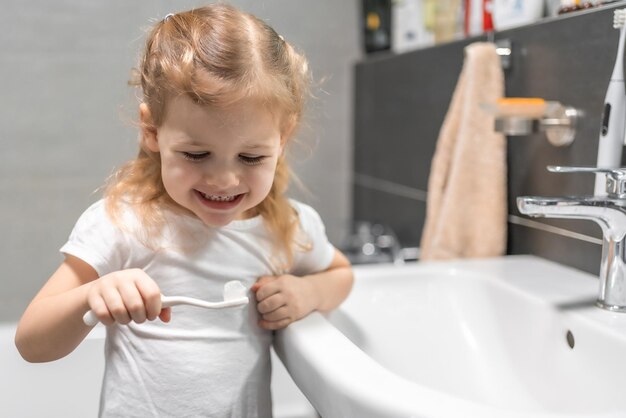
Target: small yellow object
[[521, 101], [373, 21], [533, 107]]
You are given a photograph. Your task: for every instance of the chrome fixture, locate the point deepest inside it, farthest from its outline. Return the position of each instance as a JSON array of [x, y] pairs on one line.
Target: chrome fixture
[[607, 211], [504, 49], [559, 123], [376, 243]]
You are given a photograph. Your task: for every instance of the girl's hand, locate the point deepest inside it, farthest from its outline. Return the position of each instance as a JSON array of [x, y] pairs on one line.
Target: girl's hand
[[282, 300], [126, 295]]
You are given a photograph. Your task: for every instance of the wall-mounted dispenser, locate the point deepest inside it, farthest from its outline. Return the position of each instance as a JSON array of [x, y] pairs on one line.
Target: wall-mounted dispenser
[[519, 116]]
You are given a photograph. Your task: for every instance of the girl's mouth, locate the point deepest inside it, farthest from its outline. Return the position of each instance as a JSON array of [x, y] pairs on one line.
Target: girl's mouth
[[219, 201]]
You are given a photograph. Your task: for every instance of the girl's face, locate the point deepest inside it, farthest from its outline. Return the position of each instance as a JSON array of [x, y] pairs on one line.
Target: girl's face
[[217, 163]]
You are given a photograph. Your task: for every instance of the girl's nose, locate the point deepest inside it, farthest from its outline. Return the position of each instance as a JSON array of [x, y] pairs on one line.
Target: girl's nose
[[222, 177]]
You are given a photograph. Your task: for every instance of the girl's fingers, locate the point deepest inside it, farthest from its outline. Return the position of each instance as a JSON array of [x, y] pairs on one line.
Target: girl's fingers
[[133, 301], [151, 296], [274, 325], [277, 315], [127, 295], [265, 287], [271, 303], [99, 307], [116, 306], [165, 315]]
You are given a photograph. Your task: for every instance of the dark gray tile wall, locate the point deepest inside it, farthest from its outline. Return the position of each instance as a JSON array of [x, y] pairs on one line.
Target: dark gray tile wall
[[401, 101]]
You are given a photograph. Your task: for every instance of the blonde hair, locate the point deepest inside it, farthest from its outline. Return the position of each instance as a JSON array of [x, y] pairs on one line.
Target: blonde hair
[[217, 55]]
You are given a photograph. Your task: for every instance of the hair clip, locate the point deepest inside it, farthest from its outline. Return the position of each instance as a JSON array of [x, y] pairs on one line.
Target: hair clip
[[167, 16]]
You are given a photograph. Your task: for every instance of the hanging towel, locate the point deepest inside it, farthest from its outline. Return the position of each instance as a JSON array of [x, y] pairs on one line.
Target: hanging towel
[[466, 211]]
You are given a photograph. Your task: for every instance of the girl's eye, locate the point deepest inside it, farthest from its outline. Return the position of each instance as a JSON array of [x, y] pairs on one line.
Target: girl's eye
[[194, 156], [251, 160]]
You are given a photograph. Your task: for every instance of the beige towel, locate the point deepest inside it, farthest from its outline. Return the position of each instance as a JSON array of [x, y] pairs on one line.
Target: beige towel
[[466, 213]]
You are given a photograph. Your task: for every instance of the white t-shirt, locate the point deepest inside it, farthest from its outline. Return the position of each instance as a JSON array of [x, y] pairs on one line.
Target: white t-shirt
[[203, 363]]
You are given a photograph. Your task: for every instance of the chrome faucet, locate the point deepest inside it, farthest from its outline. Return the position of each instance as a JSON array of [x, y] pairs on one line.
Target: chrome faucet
[[607, 211]]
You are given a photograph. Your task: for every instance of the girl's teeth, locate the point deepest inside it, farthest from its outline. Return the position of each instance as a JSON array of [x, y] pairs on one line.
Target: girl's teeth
[[219, 198]]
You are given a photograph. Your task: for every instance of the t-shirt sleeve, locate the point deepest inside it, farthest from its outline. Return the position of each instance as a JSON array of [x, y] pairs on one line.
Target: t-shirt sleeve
[[97, 241], [319, 252]]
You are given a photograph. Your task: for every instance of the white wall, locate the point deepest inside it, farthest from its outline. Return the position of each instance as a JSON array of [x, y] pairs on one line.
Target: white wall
[[66, 116]]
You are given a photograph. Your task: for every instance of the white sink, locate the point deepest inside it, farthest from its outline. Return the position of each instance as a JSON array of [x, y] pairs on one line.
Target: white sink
[[477, 338]]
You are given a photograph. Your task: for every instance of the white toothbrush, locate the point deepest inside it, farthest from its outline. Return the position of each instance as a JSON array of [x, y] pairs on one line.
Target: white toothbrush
[[612, 132], [234, 295]]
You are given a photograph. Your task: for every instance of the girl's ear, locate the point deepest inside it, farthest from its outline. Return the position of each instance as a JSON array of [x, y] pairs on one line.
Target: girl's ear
[[148, 131]]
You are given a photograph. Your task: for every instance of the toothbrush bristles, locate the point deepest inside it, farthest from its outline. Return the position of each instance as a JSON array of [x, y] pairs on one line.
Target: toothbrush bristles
[[619, 18]]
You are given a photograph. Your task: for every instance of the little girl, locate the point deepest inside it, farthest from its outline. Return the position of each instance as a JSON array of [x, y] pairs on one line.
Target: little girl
[[202, 204]]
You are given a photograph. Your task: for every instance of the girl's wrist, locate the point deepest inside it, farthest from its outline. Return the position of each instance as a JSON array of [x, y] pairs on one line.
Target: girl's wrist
[[311, 294], [86, 289]]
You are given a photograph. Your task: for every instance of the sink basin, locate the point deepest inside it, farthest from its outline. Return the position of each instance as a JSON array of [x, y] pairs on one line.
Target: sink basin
[[515, 336]]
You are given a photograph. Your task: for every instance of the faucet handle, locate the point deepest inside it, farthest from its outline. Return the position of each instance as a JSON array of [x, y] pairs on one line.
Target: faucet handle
[[615, 177]]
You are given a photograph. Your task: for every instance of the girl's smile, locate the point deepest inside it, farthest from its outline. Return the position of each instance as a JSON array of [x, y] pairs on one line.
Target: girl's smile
[[220, 202]]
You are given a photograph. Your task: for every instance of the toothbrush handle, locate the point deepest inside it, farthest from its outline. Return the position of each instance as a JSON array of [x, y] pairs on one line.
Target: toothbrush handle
[[90, 318], [168, 301]]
